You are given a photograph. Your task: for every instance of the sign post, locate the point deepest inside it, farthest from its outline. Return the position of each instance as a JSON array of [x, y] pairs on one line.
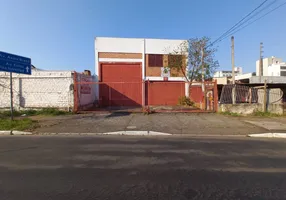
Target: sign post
[[14, 64], [11, 96]]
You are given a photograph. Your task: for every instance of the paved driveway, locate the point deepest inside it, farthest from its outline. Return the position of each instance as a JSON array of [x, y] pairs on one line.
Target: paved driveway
[[195, 124]]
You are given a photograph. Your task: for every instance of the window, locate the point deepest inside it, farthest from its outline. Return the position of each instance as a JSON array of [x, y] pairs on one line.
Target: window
[[155, 60], [175, 60], [283, 73], [283, 67]]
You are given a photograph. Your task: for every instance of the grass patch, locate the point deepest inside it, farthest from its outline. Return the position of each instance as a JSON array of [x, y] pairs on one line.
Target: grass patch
[[265, 114], [44, 111], [230, 114], [51, 111], [19, 125]]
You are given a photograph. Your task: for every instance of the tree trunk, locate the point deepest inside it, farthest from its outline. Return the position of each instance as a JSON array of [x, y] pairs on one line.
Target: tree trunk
[[190, 89]]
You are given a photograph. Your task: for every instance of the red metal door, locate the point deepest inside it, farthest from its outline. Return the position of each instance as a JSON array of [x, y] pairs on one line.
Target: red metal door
[[165, 93], [122, 84]]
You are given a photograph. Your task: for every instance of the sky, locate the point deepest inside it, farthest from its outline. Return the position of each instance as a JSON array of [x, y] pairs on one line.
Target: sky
[[59, 34]]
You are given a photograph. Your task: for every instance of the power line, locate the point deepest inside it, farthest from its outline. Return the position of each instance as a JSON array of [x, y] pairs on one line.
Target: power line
[[238, 23], [255, 20], [259, 11]]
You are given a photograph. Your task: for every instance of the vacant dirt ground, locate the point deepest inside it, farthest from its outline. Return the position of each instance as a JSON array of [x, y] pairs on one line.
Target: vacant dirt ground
[[180, 123], [128, 168]]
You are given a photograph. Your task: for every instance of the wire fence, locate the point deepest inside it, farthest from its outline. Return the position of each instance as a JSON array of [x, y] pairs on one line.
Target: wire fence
[[244, 94]]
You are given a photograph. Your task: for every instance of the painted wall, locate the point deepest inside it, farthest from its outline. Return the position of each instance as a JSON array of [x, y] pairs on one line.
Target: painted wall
[[247, 109], [161, 46], [39, 90], [134, 45], [123, 45], [86, 92], [269, 79], [274, 70]]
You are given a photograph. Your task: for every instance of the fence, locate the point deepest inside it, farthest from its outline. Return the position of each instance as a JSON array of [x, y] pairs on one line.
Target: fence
[[91, 95], [207, 100], [266, 99], [245, 94], [39, 90]]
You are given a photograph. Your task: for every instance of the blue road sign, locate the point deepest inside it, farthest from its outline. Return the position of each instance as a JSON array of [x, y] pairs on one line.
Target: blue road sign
[[14, 63]]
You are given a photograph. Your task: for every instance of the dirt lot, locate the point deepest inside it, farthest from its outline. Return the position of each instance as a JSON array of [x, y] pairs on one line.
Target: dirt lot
[[180, 123]]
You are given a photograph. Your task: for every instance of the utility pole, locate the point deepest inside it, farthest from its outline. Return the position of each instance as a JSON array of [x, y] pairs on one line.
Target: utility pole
[[203, 77], [261, 60], [232, 60], [233, 74], [265, 96]]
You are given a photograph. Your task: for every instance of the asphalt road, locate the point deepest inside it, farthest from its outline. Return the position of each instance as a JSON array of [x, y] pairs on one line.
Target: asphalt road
[[84, 168]]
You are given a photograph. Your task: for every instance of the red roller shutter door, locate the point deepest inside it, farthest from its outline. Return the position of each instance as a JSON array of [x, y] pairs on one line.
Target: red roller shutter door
[[122, 84]]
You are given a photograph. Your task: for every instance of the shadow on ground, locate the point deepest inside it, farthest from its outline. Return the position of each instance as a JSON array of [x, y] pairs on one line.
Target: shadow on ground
[[118, 114]]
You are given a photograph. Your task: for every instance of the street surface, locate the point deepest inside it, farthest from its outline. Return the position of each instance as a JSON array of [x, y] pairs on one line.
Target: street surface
[[128, 168]]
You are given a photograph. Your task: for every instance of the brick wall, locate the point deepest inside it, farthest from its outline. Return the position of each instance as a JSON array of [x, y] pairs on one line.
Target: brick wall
[[119, 55], [39, 90], [151, 71], [156, 71]]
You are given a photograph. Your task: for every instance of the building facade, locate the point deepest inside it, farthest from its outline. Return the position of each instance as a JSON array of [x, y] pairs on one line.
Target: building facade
[[228, 73], [267, 62], [124, 64], [277, 69]]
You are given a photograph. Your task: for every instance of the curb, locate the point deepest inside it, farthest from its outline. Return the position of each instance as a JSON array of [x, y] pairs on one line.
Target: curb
[[131, 133], [21, 133], [137, 133], [141, 133], [5, 132], [268, 135], [15, 133]]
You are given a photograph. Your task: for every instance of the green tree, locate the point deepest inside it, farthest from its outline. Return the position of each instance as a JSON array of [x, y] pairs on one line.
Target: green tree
[[191, 50]]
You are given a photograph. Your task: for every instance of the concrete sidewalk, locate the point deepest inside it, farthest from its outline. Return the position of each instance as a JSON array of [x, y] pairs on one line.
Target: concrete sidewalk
[[274, 124], [177, 124]]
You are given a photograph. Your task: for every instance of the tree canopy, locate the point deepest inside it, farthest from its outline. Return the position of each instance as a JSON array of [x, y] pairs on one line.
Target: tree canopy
[[192, 49]]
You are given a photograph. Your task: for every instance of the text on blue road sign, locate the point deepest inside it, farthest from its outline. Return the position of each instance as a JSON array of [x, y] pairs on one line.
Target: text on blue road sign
[[14, 63]]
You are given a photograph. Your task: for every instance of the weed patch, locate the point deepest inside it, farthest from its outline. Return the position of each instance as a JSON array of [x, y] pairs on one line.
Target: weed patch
[[19, 124]]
